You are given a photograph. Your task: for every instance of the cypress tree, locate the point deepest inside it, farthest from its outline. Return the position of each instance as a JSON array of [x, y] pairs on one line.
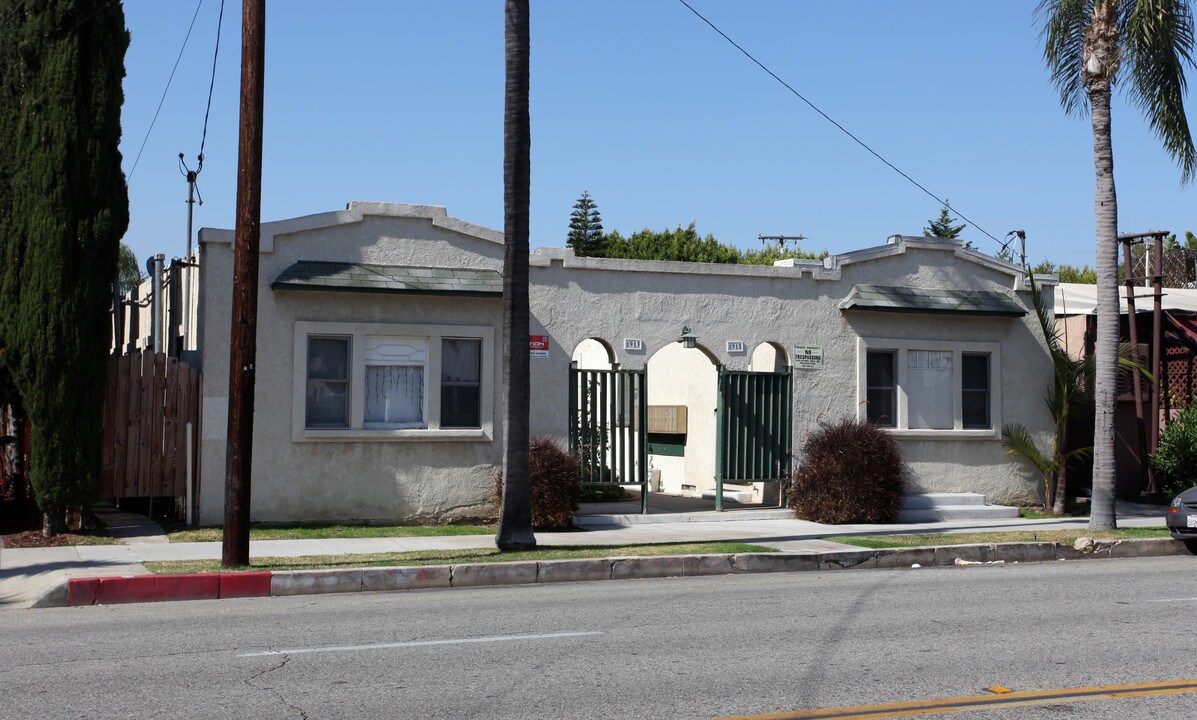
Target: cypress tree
[[63, 209]]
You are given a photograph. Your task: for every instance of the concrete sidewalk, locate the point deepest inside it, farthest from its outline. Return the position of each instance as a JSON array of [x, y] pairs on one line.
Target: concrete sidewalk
[[26, 574]]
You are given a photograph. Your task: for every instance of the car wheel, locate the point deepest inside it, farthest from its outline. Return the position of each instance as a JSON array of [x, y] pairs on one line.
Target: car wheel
[[1191, 545]]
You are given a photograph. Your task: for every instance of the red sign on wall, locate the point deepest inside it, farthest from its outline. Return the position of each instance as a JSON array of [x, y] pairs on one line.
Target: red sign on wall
[[538, 346]]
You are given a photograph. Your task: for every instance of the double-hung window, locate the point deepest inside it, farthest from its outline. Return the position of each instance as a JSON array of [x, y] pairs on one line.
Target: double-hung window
[[929, 388], [327, 396], [461, 382], [881, 396], [384, 381]]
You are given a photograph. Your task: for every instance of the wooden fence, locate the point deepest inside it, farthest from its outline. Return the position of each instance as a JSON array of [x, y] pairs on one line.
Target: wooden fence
[[151, 410]]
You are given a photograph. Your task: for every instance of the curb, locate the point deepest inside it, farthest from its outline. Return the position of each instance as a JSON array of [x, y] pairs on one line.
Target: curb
[[214, 586]]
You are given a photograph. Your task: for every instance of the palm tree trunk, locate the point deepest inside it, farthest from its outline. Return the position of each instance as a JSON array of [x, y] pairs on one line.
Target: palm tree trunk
[[515, 515], [1102, 516], [1058, 502]]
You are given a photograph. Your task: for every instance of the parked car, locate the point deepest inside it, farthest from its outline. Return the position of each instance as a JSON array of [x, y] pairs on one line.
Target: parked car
[[1182, 518]]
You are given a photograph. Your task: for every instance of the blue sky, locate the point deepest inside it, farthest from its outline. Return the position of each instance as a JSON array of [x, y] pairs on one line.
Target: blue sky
[[642, 105]]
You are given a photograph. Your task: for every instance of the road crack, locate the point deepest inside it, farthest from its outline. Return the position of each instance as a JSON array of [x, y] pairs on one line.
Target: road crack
[[250, 682]]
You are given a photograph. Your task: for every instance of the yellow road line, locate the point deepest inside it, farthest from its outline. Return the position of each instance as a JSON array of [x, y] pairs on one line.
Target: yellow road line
[[984, 702]]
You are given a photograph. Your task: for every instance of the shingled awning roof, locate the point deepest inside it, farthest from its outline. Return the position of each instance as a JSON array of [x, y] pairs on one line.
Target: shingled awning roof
[[884, 298], [321, 276]]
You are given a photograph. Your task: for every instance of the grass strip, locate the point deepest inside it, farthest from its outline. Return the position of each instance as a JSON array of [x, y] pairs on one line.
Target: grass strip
[[324, 532], [1062, 537], [453, 557]]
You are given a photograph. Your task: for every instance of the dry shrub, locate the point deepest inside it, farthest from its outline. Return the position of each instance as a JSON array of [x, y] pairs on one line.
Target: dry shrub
[[851, 472], [553, 475]]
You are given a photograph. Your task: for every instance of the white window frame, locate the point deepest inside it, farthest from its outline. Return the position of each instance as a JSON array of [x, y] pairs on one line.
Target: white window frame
[[901, 346], [357, 431]]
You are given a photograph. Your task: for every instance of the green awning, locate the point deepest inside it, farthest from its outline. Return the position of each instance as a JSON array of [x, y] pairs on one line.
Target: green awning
[[885, 298], [320, 276]]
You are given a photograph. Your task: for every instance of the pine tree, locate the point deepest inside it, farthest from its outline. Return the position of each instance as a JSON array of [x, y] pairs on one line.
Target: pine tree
[[63, 209], [942, 226], [586, 228]]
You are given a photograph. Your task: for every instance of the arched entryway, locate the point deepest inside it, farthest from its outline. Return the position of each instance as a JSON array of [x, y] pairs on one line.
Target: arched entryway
[[607, 407], [768, 357], [681, 419], [594, 354]]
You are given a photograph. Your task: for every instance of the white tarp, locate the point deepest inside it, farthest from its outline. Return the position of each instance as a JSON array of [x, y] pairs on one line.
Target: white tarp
[[1078, 299]]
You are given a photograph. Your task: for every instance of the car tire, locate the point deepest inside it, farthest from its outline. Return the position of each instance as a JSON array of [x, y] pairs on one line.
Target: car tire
[[1191, 545]]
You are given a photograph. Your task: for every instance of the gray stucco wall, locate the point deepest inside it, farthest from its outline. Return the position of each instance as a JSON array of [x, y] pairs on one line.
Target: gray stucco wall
[[578, 298], [573, 299]]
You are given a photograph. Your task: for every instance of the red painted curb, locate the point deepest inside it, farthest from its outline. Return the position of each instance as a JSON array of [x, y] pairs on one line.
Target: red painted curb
[[136, 589], [199, 586], [245, 584], [82, 591], [160, 588]]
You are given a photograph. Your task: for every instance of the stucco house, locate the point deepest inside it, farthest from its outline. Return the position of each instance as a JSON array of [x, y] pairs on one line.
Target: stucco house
[[379, 364]]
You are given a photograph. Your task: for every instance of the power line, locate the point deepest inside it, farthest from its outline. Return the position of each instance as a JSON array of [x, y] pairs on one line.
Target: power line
[[167, 89], [211, 85], [841, 128]]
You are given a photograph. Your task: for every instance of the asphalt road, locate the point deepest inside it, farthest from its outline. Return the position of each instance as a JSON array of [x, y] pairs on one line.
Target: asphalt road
[[671, 648]]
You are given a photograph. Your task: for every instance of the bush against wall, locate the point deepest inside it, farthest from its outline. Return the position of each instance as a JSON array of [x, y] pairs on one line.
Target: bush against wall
[[1175, 461], [553, 474], [851, 472]]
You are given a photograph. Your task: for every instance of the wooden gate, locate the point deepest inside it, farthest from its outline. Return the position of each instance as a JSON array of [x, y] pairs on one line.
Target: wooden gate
[[151, 426]]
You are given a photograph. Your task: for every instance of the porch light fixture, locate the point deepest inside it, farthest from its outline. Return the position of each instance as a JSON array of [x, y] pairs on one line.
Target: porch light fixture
[[689, 339]]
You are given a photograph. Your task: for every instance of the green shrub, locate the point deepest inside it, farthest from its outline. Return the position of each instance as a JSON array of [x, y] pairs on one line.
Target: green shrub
[[553, 475], [1175, 461], [851, 472]]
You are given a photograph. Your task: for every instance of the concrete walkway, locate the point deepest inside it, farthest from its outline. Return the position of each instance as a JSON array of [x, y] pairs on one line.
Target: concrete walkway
[[25, 574]]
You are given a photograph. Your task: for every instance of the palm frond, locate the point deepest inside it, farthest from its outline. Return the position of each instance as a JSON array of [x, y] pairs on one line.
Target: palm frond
[[1017, 441], [1128, 361], [1081, 452], [1157, 45], [1063, 36]]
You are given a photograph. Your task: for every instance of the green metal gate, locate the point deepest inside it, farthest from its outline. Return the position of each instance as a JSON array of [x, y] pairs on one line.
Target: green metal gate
[[754, 429], [608, 410]]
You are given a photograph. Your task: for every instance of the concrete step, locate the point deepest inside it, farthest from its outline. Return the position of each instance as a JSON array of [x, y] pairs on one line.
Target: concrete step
[[931, 500], [738, 496], [938, 507]]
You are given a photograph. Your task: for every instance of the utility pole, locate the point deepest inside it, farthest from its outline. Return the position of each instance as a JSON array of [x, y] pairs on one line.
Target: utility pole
[[1022, 246], [192, 193], [244, 326], [780, 239]]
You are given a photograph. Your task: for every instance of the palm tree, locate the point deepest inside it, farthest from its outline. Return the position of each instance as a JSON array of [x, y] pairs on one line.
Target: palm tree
[[128, 272], [1088, 44], [515, 514]]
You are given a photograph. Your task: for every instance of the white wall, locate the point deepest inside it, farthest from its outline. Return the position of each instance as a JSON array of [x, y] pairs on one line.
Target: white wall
[[681, 376]]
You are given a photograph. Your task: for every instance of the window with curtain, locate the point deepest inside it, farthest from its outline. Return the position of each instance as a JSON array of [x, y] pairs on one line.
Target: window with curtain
[[394, 383], [461, 382], [929, 389]]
